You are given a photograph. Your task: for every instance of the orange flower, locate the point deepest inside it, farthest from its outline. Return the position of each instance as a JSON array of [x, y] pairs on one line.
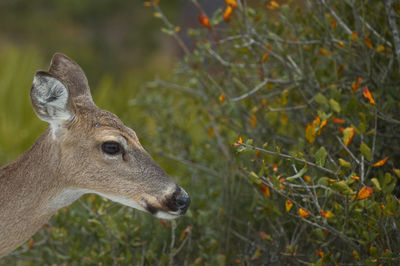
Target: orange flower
[[356, 84], [221, 98], [365, 192], [288, 205], [367, 94], [239, 140], [264, 57], [211, 132], [380, 48], [31, 242], [228, 13], [334, 23], [265, 190], [185, 232], [323, 124], [340, 43], [253, 120], [327, 214], [320, 253], [303, 213], [381, 162], [203, 19], [368, 42], [272, 5], [232, 3], [323, 51], [354, 35], [337, 120]]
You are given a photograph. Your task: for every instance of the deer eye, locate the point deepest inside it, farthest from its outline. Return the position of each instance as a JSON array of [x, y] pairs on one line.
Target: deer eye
[[111, 147]]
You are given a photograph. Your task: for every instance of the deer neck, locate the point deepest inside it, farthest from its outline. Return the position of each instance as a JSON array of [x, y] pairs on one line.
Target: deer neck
[[28, 186]]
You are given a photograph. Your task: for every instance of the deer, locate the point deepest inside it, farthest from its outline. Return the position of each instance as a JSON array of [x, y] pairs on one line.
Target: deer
[[84, 150]]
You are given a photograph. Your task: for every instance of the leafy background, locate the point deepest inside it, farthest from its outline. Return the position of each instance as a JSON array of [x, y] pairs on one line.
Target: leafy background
[[280, 118]]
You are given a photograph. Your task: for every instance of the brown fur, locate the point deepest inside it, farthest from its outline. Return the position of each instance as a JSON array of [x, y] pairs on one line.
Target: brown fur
[[74, 160]]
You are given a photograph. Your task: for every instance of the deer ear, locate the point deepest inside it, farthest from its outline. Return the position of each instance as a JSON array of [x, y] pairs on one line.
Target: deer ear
[[49, 97]]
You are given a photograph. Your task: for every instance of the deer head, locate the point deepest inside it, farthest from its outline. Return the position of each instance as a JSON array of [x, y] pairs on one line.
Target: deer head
[[96, 152]]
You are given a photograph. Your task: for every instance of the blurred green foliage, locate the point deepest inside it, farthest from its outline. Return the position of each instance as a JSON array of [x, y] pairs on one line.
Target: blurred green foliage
[[299, 185]]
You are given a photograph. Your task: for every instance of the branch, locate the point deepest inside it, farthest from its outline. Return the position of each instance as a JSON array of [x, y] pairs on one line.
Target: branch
[[339, 20], [180, 42], [393, 27], [348, 151], [169, 85], [260, 86], [288, 157], [192, 164]]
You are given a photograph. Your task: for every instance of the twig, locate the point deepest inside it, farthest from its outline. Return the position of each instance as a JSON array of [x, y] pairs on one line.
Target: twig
[[220, 140], [223, 61], [373, 142], [362, 175], [172, 244], [284, 109], [348, 151], [192, 164], [246, 240], [289, 157], [180, 42], [182, 244], [258, 87], [375, 32], [169, 85], [339, 20], [393, 27], [388, 119]]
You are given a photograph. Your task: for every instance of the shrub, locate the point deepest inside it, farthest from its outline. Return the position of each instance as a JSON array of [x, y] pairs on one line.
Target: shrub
[[292, 110], [282, 122]]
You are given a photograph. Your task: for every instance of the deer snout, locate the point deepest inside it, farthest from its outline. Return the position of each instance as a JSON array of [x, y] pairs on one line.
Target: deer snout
[[181, 200], [178, 202]]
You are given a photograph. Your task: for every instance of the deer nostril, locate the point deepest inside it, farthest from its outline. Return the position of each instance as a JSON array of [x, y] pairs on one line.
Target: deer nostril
[[182, 201]]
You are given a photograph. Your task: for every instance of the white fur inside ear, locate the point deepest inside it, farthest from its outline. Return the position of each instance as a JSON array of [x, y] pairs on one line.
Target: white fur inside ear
[[50, 98]]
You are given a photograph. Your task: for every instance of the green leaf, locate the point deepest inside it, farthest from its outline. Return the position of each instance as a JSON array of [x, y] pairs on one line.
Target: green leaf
[[216, 17], [389, 187], [365, 151], [249, 142], [376, 184], [167, 31], [397, 172], [322, 101], [344, 163], [342, 187], [299, 174], [324, 181], [363, 127], [254, 178], [388, 178], [334, 105], [320, 156]]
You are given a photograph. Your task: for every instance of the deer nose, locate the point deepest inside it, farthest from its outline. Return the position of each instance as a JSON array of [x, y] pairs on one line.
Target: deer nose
[[182, 201]]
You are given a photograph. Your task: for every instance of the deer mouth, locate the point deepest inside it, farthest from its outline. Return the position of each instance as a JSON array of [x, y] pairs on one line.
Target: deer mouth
[[172, 207]]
